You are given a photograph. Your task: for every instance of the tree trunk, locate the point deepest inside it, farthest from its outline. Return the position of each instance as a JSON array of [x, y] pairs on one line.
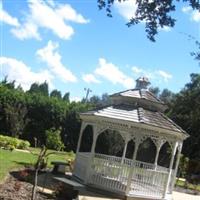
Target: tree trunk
[[34, 190]]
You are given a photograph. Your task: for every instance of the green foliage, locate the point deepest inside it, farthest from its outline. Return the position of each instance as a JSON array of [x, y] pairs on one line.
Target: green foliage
[[183, 165], [28, 115], [66, 97], [12, 143], [56, 94], [42, 89], [185, 111], [155, 14], [53, 140]]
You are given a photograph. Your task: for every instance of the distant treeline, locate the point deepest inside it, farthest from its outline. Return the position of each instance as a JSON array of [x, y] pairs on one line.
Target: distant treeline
[[27, 115]]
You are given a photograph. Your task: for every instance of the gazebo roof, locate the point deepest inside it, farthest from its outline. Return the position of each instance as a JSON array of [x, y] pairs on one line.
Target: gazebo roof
[[136, 115], [138, 106], [140, 94]]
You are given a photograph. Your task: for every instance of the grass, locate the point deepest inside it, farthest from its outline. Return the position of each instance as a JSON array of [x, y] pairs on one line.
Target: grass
[[17, 159], [181, 183]]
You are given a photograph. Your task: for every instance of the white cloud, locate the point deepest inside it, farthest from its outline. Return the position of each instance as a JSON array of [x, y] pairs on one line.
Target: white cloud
[[76, 99], [136, 70], [126, 9], [158, 75], [194, 14], [166, 76], [28, 30], [112, 73], [90, 78], [69, 14], [164, 28], [186, 9], [50, 55], [6, 18], [22, 74], [49, 15]]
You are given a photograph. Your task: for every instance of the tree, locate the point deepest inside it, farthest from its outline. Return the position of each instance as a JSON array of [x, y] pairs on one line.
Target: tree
[[53, 140], [12, 110], [166, 96], [185, 111], [56, 93], [155, 91], [155, 13], [42, 88], [66, 96]]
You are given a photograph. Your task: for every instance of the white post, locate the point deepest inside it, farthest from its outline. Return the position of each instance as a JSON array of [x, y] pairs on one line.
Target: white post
[[177, 163], [170, 169], [83, 125], [158, 147], [125, 148], [132, 168], [95, 135]]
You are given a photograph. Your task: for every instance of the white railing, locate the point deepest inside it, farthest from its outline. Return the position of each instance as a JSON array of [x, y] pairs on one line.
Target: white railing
[[111, 173], [81, 165], [146, 181]]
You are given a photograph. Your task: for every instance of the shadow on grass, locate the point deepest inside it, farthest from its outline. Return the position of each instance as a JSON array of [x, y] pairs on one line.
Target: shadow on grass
[[25, 164]]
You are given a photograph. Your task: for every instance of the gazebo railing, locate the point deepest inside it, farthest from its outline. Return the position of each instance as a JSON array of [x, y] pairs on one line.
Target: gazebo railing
[[111, 173], [147, 181]]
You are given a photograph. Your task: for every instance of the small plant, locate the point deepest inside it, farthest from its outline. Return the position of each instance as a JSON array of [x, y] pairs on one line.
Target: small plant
[[53, 140]]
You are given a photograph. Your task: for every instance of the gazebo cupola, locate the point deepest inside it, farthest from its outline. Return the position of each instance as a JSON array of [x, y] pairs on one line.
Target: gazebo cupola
[[142, 83], [130, 148]]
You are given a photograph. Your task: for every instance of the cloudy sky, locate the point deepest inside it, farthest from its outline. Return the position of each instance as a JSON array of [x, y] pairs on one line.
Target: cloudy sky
[[72, 45]]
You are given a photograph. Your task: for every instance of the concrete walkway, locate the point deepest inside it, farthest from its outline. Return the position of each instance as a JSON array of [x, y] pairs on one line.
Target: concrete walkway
[[176, 196], [183, 196]]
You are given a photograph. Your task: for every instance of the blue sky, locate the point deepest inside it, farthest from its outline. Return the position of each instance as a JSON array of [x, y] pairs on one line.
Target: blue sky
[[72, 45]]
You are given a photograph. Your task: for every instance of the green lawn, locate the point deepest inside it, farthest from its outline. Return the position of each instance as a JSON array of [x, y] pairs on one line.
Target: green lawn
[[15, 159]]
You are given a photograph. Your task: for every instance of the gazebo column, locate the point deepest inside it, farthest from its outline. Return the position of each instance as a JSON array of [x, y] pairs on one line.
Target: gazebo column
[[95, 135], [158, 147], [170, 169], [132, 167], [177, 163], [83, 125], [126, 140]]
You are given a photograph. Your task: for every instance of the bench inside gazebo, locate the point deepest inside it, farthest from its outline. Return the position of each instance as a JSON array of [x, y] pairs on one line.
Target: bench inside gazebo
[[130, 147]]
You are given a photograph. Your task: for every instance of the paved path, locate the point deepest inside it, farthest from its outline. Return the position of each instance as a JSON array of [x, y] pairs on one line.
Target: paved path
[[176, 196], [183, 196]]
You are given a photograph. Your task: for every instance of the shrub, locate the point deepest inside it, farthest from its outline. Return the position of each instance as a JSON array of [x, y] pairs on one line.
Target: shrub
[[53, 140], [11, 143], [23, 144]]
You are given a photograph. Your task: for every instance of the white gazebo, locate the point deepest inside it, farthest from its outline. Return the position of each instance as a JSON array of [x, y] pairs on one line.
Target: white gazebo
[[130, 147]]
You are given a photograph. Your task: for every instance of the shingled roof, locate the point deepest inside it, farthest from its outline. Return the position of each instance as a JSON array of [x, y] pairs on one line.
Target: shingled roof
[[140, 94], [137, 105], [138, 115]]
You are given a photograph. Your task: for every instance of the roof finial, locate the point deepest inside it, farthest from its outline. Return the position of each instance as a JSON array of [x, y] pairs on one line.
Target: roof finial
[[142, 83]]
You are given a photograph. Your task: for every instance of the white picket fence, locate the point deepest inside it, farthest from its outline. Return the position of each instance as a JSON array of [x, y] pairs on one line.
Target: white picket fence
[[111, 173]]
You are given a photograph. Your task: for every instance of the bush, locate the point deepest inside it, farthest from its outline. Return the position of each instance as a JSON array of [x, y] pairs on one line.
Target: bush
[[53, 140], [23, 144], [13, 143]]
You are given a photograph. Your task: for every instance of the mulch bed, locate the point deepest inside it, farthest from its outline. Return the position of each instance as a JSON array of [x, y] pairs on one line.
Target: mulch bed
[[15, 187]]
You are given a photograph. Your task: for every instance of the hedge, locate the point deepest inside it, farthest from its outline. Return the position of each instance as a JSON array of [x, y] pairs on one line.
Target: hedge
[[11, 143]]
